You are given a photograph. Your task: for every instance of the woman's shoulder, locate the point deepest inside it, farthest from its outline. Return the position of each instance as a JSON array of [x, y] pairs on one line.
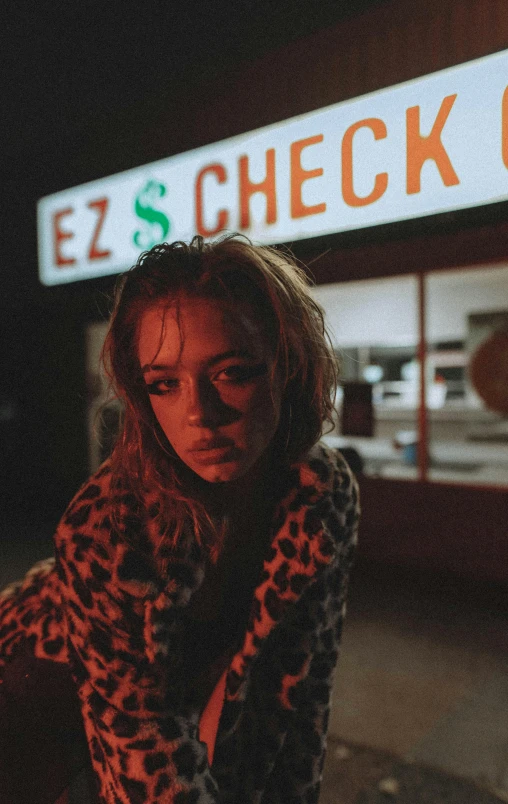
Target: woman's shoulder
[[107, 510], [325, 466], [325, 469], [89, 511], [95, 491]]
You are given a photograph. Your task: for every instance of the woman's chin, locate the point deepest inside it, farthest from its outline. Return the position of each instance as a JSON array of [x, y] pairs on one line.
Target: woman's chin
[[240, 464], [220, 472]]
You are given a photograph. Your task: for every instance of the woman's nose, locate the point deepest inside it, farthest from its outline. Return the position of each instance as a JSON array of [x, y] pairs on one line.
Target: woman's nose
[[205, 408], [203, 405]]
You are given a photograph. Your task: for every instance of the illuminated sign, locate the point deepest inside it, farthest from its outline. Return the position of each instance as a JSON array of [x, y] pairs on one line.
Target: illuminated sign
[[426, 146]]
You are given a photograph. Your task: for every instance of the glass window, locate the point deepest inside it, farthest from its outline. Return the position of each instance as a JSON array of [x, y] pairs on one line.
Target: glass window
[[467, 375], [374, 327]]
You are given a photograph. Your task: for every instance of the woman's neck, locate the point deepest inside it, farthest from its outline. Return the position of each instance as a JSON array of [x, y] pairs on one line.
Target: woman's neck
[[247, 499]]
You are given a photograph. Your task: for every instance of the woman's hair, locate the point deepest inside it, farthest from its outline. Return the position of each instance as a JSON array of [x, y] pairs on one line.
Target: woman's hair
[[234, 270]]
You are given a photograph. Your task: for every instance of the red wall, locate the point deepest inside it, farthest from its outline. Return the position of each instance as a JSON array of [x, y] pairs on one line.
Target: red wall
[[393, 42], [478, 245], [434, 526]]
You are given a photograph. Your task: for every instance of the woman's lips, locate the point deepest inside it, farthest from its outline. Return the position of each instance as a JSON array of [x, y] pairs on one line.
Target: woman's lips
[[220, 454], [211, 442]]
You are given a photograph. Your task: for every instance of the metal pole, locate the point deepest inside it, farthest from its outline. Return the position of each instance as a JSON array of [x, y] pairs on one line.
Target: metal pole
[[423, 430]]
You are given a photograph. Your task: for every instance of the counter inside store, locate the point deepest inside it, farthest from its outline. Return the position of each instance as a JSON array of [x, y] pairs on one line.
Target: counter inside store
[[465, 445]]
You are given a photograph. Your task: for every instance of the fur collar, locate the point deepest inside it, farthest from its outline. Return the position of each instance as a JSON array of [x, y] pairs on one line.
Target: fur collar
[[306, 534], [303, 543]]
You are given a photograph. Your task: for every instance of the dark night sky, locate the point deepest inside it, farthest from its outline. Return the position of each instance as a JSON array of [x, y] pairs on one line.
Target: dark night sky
[[65, 64]]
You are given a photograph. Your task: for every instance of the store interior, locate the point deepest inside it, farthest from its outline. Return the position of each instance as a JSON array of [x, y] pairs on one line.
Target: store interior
[[375, 326]]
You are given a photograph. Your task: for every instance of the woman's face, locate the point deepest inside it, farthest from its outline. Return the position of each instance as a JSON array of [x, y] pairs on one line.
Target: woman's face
[[207, 366]]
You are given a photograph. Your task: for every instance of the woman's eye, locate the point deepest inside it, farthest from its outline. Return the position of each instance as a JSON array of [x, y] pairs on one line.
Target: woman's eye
[[161, 387], [241, 374]]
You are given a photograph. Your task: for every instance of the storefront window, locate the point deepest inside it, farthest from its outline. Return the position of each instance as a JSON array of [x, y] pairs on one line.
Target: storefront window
[[374, 327], [467, 375]]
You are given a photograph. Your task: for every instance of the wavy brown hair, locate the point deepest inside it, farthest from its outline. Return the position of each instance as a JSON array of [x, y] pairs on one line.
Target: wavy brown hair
[[232, 269]]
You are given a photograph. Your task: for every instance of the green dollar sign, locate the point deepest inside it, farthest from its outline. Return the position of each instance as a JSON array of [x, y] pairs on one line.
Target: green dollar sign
[[157, 224]]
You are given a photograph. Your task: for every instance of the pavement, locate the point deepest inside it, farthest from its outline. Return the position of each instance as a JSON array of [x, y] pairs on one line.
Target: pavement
[[359, 775], [421, 692]]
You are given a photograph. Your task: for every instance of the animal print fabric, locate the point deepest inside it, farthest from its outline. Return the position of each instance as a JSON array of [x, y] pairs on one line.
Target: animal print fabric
[[107, 608]]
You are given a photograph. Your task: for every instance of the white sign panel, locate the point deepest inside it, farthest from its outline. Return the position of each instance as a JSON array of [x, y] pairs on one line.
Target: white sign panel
[[426, 146]]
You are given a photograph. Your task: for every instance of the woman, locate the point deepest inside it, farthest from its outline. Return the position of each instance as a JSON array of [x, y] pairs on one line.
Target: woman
[[200, 577]]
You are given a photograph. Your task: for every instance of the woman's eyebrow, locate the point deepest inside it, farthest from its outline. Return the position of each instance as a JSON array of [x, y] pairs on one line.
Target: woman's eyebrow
[[244, 354]]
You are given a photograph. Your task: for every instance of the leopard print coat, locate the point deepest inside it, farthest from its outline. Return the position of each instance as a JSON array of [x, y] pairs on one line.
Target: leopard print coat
[[106, 609]]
